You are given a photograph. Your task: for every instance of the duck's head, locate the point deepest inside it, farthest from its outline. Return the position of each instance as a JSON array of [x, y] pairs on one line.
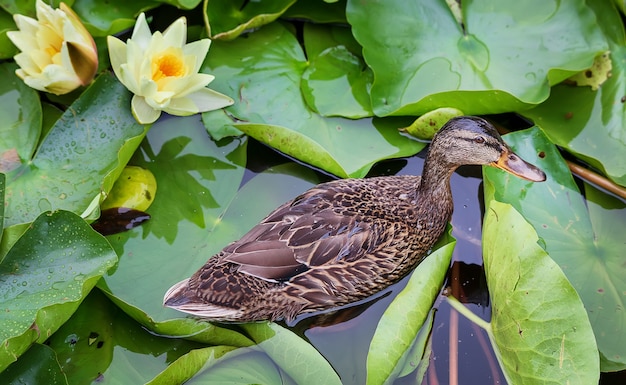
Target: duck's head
[[472, 140]]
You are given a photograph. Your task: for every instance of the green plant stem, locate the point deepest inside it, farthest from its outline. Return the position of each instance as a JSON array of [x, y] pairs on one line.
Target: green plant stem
[[458, 306]]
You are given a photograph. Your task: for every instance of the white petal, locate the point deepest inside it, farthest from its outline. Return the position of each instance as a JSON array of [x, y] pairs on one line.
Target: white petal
[[143, 113], [199, 50], [204, 100], [127, 78], [141, 33], [181, 107], [117, 53], [185, 85], [176, 34]]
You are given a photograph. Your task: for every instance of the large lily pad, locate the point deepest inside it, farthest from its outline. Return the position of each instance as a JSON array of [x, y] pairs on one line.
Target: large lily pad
[[102, 18], [537, 316], [263, 73], [588, 246], [81, 156], [592, 124], [318, 11], [503, 56], [401, 322], [227, 19], [337, 81], [45, 276]]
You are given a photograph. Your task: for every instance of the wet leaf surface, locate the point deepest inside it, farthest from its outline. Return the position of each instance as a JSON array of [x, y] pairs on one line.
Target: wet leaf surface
[[535, 310], [45, 276], [65, 173], [20, 109], [39, 365], [581, 238], [538, 44]]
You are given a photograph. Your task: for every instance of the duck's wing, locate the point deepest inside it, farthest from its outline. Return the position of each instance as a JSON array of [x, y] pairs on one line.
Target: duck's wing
[[305, 233]]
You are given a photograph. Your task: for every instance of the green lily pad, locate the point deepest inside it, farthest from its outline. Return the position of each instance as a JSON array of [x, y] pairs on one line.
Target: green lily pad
[[2, 187], [280, 357], [263, 72], [338, 69], [318, 11], [101, 343], [7, 49], [196, 363], [337, 80], [20, 109], [427, 125], [537, 316], [405, 316], [587, 245], [592, 124], [81, 156], [503, 57], [293, 355], [183, 4], [102, 18], [38, 365], [45, 276], [242, 366], [417, 358], [226, 19]]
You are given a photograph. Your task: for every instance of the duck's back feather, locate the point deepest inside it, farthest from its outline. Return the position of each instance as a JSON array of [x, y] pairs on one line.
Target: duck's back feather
[[334, 244]]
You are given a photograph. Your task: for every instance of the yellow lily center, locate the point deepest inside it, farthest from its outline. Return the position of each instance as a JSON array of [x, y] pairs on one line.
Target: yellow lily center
[[167, 64]]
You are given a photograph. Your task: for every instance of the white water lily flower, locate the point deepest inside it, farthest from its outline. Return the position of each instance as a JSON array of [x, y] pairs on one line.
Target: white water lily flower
[[162, 71], [57, 53]]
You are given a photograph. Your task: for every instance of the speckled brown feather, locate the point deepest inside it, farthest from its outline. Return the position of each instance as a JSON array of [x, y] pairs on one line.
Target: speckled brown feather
[[338, 242]]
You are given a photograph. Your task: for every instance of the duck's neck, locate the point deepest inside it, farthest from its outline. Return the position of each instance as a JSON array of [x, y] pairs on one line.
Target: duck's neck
[[434, 186]]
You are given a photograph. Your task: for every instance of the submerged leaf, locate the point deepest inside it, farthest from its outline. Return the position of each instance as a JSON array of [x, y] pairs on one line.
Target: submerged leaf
[[197, 179]]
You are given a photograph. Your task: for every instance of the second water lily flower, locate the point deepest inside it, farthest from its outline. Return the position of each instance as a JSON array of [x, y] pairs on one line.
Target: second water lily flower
[[162, 71], [58, 54]]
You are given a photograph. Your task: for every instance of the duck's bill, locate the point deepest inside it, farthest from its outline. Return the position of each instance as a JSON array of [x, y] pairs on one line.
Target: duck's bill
[[510, 162]]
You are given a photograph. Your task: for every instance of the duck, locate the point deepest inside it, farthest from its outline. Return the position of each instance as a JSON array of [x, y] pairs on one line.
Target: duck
[[344, 240]]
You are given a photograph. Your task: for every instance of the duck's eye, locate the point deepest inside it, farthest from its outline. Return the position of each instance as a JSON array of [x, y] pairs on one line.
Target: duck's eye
[[479, 140]]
